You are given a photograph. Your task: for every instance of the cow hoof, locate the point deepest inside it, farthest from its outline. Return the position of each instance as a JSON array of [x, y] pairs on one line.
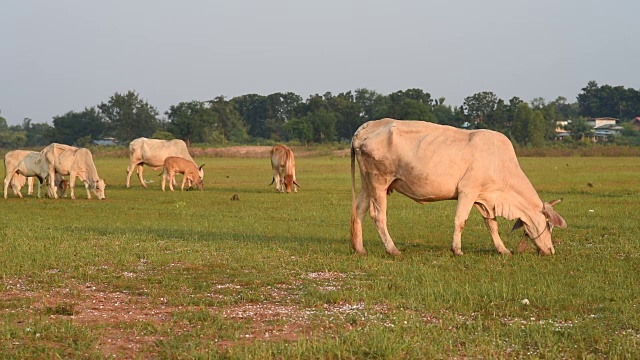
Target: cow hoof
[[394, 252], [456, 251], [505, 252], [361, 252]]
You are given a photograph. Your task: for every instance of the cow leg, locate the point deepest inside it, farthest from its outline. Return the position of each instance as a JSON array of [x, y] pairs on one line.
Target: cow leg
[[184, 180], [171, 179], [40, 183], [30, 186], [130, 169], [358, 211], [277, 180], [378, 211], [86, 186], [52, 184], [465, 203], [7, 179], [72, 185], [492, 225], [139, 169]]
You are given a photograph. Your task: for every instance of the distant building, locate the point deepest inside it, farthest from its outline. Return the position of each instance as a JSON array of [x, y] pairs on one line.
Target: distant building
[[597, 122], [108, 141], [603, 132]]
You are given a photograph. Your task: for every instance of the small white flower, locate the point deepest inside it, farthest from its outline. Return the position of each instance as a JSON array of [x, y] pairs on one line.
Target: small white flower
[[525, 302]]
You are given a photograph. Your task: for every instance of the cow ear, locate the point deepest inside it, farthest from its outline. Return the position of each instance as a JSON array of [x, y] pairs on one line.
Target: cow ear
[[555, 219], [517, 225]]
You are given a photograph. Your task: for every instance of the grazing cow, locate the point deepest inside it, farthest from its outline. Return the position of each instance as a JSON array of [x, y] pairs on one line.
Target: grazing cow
[[152, 152], [18, 181], [429, 162], [20, 165], [284, 169], [75, 162], [176, 165]]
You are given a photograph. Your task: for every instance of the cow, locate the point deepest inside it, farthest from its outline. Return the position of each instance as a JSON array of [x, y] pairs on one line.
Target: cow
[[176, 165], [18, 181], [19, 165], [283, 165], [429, 162], [75, 162], [152, 152]]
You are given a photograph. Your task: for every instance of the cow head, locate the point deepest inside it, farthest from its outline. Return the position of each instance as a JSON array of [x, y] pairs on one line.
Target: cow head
[[539, 232], [289, 182], [198, 183], [62, 187], [98, 188]]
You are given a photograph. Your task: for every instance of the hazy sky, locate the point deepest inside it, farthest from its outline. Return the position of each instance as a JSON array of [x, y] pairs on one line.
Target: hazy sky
[[58, 56]]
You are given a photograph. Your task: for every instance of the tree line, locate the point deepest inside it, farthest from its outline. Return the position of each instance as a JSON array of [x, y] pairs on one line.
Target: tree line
[[323, 118]]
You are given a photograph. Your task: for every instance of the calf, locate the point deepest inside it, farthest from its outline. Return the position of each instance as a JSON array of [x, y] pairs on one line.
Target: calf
[[176, 165]]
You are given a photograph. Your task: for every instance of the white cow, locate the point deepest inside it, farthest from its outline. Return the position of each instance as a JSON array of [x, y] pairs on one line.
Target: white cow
[[20, 165], [152, 152], [18, 181], [75, 162], [429, 162]]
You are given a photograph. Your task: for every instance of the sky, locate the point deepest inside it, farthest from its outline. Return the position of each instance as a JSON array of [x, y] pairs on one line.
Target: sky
[[65, 55]]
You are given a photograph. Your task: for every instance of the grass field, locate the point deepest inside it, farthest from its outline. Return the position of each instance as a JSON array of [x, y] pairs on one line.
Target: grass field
[[147, 274]]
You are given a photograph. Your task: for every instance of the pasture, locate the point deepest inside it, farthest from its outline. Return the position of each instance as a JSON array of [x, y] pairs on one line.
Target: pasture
[[147, 274]]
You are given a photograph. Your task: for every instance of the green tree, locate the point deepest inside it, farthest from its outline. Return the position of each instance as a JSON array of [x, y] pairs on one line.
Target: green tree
[[528, 126], [10, 136], [347, 113], [191, 121], [412, 104], [299, 129], [70, 127], [579, 128], [228, 120], [129, 116], [38, 134], [478, 107], [373, 105], [254, 111]]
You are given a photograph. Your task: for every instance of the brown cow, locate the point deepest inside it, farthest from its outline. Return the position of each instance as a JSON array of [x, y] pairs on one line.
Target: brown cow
[[176, 165], [428, 162], [284, 169]]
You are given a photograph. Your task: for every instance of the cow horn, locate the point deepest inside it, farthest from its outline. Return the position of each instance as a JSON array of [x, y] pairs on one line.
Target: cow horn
[[552, 203], [200, 167], [295, 182], [273, 179]]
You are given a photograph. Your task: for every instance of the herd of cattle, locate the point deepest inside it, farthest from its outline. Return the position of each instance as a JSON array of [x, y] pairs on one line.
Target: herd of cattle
[[57, 160], [425, 162]]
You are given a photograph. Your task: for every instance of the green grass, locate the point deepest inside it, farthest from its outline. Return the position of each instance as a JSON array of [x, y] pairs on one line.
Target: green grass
[[194, 275]]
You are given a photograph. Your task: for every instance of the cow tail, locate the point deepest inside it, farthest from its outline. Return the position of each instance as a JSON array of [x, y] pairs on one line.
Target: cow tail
[[354, 213]]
